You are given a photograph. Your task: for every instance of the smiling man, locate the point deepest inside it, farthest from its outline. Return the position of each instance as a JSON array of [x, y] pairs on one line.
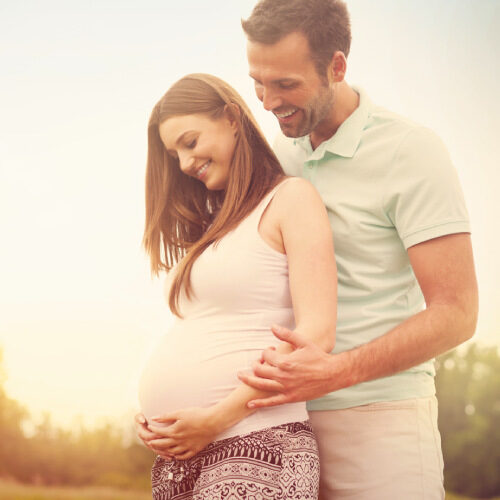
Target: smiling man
[[406, 283]]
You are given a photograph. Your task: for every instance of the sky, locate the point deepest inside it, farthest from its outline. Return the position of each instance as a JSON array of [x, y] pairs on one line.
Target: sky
[[78, 309]]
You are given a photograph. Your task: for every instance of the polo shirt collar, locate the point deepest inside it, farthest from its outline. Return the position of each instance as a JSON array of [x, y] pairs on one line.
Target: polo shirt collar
[[348, 136]]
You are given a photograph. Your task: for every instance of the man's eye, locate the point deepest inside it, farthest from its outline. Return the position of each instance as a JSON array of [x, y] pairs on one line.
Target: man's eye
[[287, 86]]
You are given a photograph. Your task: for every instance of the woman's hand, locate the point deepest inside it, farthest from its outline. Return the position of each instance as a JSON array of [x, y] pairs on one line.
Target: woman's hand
[[145, 435], [190, 430]]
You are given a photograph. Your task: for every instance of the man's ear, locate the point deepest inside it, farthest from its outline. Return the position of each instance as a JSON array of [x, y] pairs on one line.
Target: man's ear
[[337, 67]]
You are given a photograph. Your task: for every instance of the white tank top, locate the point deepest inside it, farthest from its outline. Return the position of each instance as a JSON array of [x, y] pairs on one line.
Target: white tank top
[[240, 288]]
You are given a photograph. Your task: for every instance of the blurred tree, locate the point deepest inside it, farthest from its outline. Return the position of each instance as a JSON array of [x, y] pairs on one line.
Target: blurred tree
[[468, 389], [51, 455], [12, 415]]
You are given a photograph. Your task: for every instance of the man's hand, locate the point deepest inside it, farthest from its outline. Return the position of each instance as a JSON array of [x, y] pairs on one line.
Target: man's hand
[[190, 430], [304, 374]]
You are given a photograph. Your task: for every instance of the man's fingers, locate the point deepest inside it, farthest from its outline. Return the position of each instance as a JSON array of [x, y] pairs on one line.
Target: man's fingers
[[262, 384], [273, 364], [266, 370], [270, 401], [287, 335], [185, 455]]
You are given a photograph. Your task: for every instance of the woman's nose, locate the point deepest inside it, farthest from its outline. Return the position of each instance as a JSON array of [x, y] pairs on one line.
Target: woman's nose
[[186, 162]]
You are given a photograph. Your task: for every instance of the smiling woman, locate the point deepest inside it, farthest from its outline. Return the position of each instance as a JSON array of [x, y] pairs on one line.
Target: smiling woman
[[235, 236], [203, 146]]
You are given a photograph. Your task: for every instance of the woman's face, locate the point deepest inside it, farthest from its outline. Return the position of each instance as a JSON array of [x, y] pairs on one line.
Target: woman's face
[[204, 146]]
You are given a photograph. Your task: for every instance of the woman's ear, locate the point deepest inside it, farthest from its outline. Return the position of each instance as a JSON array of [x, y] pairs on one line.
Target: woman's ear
[[233, 114]]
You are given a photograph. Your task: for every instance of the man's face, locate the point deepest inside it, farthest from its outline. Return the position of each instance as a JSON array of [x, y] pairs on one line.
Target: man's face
[[288, 84]]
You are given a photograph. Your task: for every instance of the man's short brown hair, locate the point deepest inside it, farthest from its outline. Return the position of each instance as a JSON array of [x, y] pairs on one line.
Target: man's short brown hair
[[325, 24]]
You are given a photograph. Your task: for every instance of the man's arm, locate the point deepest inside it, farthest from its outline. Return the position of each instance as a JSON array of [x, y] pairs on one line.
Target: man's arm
[[444, 268]]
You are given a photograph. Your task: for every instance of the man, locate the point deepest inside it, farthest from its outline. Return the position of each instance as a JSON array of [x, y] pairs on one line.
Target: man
[[402, 239]]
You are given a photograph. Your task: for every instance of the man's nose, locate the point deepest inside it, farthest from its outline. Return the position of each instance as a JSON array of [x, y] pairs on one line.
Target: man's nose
[[270, 99]]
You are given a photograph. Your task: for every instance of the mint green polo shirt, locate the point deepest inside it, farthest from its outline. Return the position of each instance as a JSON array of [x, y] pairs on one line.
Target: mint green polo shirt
[[388, 184]]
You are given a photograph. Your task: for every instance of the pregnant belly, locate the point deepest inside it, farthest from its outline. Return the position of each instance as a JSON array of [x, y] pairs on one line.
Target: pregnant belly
[[185, 371]]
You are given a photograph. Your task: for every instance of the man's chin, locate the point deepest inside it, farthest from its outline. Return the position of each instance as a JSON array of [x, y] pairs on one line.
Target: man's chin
[[288, 131], [293, 131]]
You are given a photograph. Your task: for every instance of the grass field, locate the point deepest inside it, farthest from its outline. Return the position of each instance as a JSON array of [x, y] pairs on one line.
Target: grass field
[[14, 491], [450, 496]]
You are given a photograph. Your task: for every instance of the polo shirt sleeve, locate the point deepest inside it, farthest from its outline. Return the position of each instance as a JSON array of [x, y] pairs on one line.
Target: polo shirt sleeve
[[423, 197]]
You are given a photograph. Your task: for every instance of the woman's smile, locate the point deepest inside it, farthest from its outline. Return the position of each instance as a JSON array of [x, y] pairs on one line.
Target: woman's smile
[[202, 171]]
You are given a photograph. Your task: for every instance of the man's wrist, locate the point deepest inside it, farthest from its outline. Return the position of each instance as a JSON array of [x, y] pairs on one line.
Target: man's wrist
[[342, 370]]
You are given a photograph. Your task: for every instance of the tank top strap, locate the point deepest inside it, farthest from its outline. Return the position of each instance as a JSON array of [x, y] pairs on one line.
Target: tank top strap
[[256, 215]]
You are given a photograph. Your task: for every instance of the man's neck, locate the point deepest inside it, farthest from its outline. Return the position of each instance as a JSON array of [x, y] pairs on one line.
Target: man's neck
[[346, 100]]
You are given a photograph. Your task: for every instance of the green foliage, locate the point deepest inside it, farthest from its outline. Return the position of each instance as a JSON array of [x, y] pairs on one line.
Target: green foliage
[[52, 456], [12, 415], [468, 389]]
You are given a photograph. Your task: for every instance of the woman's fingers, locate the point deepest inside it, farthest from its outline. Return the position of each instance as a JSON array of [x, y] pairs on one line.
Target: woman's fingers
[[164, 447], [163, 444], [185, 455], [163, 419], [167, 432], [140, 419], [270, 401], [262, 384], [144, 433], [178, 450], [168, 449], [146, 436]]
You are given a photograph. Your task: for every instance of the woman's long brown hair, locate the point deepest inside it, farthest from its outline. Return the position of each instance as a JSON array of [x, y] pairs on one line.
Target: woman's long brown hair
[[183, 217]]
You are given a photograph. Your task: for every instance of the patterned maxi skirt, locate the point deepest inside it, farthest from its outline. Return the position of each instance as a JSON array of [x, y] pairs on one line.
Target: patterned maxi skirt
[[277, 463]]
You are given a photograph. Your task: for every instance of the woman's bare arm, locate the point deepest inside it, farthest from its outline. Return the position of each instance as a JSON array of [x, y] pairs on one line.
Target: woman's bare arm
[[297, 220]]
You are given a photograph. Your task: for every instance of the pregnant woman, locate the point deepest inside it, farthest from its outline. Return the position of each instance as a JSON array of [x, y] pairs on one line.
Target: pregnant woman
[[244, 248]]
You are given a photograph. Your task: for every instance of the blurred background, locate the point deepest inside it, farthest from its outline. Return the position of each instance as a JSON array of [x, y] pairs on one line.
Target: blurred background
[[79, 311]]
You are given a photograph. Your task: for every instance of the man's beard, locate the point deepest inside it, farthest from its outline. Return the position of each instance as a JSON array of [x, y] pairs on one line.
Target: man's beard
[[314, 113]]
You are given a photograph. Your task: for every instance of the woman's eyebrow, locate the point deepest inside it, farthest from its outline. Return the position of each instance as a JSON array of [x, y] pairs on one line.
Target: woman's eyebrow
[[181, 137]]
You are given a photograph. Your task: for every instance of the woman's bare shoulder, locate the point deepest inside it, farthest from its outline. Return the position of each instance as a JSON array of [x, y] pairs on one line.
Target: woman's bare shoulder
[[297, 193]]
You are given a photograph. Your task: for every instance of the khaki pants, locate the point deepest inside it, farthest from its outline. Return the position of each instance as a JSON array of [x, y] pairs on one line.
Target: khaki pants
[[380, 451]]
